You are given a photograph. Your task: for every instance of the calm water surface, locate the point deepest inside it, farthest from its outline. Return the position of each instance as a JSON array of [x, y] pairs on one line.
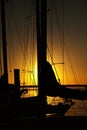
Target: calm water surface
[[78, 109], [50, 100]]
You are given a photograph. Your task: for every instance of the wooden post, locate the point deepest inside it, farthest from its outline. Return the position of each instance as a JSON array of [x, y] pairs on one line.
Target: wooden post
[[17, 81]]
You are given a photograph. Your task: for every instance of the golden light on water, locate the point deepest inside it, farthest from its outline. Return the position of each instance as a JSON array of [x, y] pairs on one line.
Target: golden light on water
[[30, 93]]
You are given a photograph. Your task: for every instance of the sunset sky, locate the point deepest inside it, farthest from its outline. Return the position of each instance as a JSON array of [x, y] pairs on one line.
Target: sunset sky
[[66, 39]]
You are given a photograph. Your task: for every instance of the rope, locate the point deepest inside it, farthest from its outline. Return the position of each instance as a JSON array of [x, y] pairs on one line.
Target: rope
[[17, 30], [63, 45], [30, 34]]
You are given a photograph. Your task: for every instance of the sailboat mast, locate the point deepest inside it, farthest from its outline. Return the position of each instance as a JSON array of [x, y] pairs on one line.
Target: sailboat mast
[[41, 24], [44, 29], [4, 40]]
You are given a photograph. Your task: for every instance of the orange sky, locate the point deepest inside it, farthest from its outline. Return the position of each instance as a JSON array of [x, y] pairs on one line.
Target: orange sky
[[21, 36]]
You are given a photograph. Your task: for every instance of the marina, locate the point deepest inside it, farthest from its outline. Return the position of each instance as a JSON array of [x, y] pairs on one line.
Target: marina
[[41, 93]]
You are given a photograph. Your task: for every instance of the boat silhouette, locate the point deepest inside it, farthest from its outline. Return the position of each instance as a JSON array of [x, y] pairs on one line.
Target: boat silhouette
[[53, 88]]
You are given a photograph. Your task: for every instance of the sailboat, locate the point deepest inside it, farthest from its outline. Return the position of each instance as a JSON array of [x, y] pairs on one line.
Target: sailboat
[[21, 107]]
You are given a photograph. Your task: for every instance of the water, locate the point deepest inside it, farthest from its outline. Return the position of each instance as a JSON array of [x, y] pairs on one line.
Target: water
[[78, 109], [30, 93], [50, 100]]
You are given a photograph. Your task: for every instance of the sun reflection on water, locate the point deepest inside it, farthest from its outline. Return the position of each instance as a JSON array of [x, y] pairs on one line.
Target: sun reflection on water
[[32, 92]]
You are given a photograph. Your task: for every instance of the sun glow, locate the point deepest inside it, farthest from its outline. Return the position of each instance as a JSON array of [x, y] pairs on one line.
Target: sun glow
[[36, 73], [27, 76], [30, 77]]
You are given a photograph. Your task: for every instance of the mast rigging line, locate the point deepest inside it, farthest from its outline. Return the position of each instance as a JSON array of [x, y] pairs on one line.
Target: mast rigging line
[[16, 27], [61, 32], [25, 39], [9, 38], [53, 63], [30, 31], [69, 59]]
